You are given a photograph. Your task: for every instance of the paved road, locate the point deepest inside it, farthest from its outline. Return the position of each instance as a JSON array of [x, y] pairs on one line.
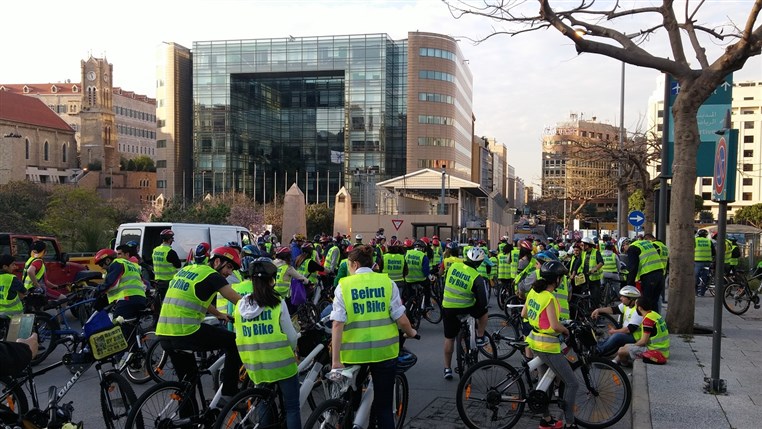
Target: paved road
[[432, 399]]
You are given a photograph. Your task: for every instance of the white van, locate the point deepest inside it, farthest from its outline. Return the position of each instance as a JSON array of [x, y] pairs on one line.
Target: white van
[[187, 236]]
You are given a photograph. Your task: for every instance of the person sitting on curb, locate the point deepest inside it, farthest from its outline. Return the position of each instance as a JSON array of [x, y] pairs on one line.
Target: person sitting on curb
[[652, 335], [631, 321]]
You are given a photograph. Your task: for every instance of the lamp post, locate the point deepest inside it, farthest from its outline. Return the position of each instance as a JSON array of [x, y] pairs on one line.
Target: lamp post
[[620, 215], [442, 196]]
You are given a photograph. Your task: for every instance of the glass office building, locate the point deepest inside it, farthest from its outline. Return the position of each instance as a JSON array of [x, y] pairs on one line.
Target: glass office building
[[322, 112]]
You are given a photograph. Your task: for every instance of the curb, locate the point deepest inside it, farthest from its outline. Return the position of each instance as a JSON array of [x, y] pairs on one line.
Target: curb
[[641, 404]]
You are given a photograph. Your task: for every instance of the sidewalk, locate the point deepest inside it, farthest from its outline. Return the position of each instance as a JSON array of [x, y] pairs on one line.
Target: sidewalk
[[675, 397]]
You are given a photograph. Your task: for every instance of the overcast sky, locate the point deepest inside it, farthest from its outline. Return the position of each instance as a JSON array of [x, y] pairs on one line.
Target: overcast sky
[[522, 84]]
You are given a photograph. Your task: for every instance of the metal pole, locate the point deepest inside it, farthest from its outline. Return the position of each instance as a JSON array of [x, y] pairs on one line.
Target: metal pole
[[715, 383], [620, 198], [442, 197], [661, 227]]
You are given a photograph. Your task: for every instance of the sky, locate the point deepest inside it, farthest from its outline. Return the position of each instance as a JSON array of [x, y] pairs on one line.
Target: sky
[[522, 84]]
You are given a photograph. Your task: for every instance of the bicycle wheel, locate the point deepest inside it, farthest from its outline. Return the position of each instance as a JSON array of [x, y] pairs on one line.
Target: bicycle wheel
[[331, 414], [164, 405], [45, 326], [490, 395], [602, 324], [137, 371], [503, 333], [13, 399], [433, 312], [413, 312], [248, 409], [401, 394], [117, 397], [736, 299], [604, 393], [460, 353], [159, 365]]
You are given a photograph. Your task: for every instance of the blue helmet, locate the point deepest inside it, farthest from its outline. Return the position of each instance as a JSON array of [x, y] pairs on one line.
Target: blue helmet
[[246, 262], [545, 256], [251, 250]]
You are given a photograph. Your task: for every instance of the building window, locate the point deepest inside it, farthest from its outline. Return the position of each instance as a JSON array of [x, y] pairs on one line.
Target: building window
[[46, 151], [748, 153], [64, 154], [435, 141], [706, 196], [435, 120], [748, 139], [162, 163], [706, 181], [27, 148], [161, 184], [749, 125], [438, 53], [437, 98], [746, 196], [436, 75], [748, 167], [748, 181], [161, 143]]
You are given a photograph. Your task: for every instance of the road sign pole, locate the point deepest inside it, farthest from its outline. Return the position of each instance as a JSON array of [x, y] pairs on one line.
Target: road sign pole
[[715, 385]]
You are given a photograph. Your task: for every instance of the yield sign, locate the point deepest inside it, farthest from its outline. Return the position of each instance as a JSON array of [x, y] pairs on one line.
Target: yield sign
[[397, 223]]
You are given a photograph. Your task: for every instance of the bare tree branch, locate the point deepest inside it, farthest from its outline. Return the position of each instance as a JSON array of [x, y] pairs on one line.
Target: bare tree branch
[[688, 27], [673, 31]]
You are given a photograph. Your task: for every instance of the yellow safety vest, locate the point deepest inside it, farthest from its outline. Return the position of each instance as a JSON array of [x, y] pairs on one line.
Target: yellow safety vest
[[414, 259], [281, 285], [562, 298], [263, 347], [130, 284], [370, 335], [728, 251], [162, 269], [514, 263], [495, 268], [610, 262], [733, 260], [650, 260], [504, 266], [437, 259], [221, 303], [9, 307], [39, 274], [590, 261], [660, 340], [703, 250], [394, 266], [663, 252], [541, 340], [182, 312], [458, 286], [448, 261]]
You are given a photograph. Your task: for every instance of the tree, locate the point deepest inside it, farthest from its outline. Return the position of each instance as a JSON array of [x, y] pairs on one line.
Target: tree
[[698, 204], [319, 219], [636, 200], [705, 216], [22, 206], [587, 26], [80, 219], [751, 215]]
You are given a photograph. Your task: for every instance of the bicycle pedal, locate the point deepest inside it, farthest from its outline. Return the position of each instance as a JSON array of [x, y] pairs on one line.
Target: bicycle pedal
[[756, 306]]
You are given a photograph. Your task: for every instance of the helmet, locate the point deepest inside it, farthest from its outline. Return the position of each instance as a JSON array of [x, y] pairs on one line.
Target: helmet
[[562, 254], [406, 360], [526, 244], [552, 270], [426, 240], [408, 243], [475, 254], [435, 237], [551, 239], [453, 245], [262, 267], [228, 254], [419, 244], [299, 237], [606, 237], [654, 356], [350, 248], [250, 250], [545, 256], [358, 237], [202, 251], [714, 234], [166, 233], [246, 263], [307, 246], [103, 254], [133, 244], [629, 292], [588, 240], [435, 242], [493, 252], [702, 233], [234, 245], [282, 251]]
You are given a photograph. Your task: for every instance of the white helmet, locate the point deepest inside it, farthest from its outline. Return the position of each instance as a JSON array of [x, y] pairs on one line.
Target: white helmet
[[358, 237], [588, 240], [629, 292], [475, 254]]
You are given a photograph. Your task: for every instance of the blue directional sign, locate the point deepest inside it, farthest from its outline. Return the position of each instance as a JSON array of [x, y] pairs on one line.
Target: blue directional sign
[[636, 218], [710, 118]]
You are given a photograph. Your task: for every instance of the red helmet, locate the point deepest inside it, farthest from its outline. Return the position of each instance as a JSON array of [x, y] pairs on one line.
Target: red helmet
[[103, 254], [166, 234], [526, 244], [282, 250], [435, 241], [228, 254], [350, 248], [426, 240], [435, 237], [408, 243]]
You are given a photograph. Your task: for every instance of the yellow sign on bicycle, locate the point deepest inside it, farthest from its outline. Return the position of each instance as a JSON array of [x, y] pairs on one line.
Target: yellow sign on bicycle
[[107, 343]]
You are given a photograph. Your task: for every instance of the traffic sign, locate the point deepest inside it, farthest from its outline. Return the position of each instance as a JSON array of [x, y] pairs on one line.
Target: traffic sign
[[725, 161], [636, 218], [397, 223]]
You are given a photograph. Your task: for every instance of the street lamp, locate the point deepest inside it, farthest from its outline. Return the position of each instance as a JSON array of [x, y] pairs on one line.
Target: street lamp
[[442, 197]]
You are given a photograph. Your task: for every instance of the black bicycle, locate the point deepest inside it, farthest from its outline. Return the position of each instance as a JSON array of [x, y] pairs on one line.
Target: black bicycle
[[417, 308]]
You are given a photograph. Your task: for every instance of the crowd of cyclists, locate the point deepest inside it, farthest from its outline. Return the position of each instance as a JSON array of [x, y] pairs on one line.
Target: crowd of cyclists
[[253, 287]]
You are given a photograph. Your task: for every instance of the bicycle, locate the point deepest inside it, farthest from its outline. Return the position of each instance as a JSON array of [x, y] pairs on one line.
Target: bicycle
[[416, 306], [116, 394], [580, 308], [353, 391], [492, 393], [133, 362], [262, 406], [739, 295], [466, 350], [48, 329]]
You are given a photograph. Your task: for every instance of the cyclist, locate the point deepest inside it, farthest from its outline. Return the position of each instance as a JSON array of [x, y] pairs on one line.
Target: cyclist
[[188, 299], [367, 312], [644, 265], [702, 259], [285, 272], [652, 335], [12, 291], [541, 309], [34, 268], [417, 269], [16, 356], [130, 252], [165, 262], [266, 337], [631, 321], [591, 267], [465, 292], [123, 284], [452, 255]]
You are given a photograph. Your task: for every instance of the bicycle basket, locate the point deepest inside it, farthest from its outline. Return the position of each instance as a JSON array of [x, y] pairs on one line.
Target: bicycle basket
[[107, 343], [99, 321]]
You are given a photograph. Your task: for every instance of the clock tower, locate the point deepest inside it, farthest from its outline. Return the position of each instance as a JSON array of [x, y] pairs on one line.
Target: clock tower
[[98, 134]]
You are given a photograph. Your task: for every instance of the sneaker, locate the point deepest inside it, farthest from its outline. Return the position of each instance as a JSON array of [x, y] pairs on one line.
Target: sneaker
[[482, 341], [552, 423], [448, 373]]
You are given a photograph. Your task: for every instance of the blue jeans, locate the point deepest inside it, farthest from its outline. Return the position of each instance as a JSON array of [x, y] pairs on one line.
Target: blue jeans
[[700, 273], [383, 374], [289, 389], [613, 343]]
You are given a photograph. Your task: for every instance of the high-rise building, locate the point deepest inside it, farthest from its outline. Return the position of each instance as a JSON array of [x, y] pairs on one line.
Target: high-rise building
[[572, 166], [327, 112], [746, 117]]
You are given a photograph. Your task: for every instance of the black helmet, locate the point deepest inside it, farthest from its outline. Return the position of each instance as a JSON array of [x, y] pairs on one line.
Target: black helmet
[[262, 267], [419, 244], [703, 233], [552, 270]]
